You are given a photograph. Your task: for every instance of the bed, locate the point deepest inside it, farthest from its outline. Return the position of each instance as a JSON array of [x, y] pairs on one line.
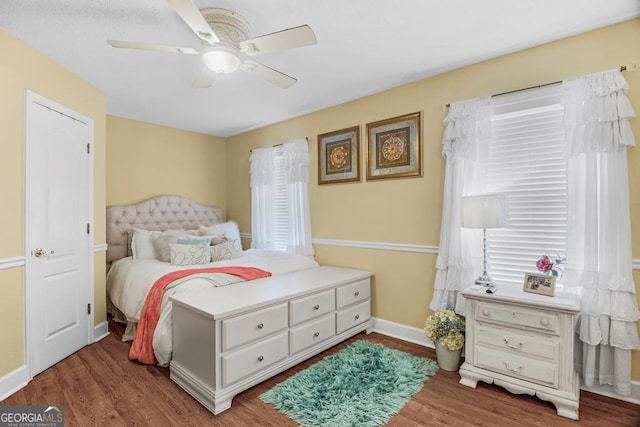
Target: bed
[[165, 234]]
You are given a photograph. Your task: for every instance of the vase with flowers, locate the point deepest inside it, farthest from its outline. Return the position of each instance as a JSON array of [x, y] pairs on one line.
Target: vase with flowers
[[550, 265], [446, 329]]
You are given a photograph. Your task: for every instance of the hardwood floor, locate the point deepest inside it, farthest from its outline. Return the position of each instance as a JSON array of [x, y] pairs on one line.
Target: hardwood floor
[[99, 386]]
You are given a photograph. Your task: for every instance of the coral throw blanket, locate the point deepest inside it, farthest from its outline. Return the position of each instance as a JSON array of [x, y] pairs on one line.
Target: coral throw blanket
[[142, 347]]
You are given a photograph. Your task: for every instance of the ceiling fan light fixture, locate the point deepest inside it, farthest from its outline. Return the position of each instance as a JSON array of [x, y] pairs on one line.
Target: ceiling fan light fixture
[[221, 61]]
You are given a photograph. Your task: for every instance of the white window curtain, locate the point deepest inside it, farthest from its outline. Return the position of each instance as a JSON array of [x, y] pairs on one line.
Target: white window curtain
[[464, 143], [280, 214], [599, 264]]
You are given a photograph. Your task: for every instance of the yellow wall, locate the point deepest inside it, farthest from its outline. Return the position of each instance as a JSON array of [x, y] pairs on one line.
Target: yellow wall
[[22, 68], [409, 210], [147, 160]]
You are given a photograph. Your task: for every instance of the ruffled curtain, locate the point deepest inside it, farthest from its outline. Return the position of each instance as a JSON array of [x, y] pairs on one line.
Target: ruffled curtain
[[465, 143], [598, 257], [293, 160]]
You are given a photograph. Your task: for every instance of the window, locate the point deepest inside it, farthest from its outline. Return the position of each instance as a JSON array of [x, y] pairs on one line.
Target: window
[[527, 163], [281, 219]]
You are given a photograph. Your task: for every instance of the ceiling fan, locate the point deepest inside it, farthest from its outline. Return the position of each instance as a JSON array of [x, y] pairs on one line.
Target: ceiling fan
[[225, 38]]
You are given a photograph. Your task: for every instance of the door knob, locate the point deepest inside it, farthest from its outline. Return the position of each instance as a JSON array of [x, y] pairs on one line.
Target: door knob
[[39, 252]]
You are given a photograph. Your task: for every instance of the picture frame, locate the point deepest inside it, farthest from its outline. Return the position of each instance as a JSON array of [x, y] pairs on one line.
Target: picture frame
[[538, 283], [394, 147], [339, 156]]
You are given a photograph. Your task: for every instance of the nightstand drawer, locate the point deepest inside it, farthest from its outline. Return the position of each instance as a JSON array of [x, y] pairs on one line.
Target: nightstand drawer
[[518, 317], [519, 343], [528, 369]]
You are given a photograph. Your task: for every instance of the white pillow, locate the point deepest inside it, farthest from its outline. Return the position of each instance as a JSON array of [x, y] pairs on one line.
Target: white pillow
[[229, 249], [230, 229], [142, 244], [163, 240], [189, 254]]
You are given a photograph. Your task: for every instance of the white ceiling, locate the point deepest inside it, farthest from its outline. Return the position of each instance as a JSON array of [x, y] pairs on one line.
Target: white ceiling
[[364, 47]]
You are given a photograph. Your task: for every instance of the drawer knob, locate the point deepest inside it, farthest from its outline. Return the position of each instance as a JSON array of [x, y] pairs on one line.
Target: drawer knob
[[260, 325], [544, 322], [513, 346], [357, 316], [260, 358], [316, 335], [316, 307], [486, 313], [356, 293], [516, 369]]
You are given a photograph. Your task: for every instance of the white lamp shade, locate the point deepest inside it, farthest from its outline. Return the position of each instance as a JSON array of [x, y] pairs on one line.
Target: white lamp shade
[[485, 211]]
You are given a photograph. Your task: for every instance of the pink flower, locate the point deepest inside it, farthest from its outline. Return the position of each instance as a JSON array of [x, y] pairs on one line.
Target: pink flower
[[544, 264]]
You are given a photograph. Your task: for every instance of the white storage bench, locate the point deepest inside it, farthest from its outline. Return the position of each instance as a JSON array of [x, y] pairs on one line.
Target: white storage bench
[[228, 339]]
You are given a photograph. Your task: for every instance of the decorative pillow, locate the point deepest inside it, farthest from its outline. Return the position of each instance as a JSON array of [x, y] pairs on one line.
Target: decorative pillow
[[229, 229], [162, 241], [142, 244], [194, 240], [189, 254], [229, 249]]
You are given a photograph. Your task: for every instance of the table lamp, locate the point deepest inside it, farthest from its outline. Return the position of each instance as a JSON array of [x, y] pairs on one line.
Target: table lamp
[[485, 211]]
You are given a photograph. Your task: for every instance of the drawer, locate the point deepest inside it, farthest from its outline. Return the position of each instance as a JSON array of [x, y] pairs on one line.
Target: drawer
[[353, 293], [303, 309], [352, 316], [308, 335], [519, 343], [244, 362], [253, 326], [532, 370], [539, 320]]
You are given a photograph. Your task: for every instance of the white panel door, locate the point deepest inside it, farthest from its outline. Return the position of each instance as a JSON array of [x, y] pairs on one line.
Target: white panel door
[[58, 250]]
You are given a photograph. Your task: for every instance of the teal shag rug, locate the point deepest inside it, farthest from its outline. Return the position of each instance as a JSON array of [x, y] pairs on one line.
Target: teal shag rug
[[364, 384]]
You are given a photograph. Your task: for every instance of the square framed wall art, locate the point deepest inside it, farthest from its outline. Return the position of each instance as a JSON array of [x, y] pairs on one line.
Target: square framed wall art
[[394, 147], [339, 156]]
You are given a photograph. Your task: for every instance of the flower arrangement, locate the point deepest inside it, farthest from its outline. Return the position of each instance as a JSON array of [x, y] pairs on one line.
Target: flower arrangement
[[447, 328], [548, 265]]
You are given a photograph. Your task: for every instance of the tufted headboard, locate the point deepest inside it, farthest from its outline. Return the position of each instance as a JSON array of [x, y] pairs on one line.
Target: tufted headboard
[[158, 213]]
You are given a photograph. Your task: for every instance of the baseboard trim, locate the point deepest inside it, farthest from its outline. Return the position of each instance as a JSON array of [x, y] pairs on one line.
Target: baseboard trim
[[13, 381], [417, 336], [100, 331]]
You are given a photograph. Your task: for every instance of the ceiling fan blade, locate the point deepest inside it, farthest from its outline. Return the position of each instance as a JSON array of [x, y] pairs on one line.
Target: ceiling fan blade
[[205, 79], [154, 47], [285, 39], [190, 14], [268, 74]]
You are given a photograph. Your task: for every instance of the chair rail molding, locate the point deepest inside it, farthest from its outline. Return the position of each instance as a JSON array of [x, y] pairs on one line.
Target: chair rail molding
[[13, 262]]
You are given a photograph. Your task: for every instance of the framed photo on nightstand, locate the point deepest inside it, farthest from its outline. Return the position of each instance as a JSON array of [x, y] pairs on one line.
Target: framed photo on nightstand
[[543, 284]]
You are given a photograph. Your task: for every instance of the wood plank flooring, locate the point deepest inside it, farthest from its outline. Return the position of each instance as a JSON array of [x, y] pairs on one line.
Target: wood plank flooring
[[99, 386]]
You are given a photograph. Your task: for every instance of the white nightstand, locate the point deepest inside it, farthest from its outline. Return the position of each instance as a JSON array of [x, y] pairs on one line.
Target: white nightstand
[[523, 342]]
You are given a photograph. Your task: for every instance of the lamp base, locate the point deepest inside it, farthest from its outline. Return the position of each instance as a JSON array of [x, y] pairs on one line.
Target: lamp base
[[484, 280]]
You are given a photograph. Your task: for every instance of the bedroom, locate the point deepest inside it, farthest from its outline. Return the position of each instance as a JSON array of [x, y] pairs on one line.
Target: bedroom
[[403, 284]]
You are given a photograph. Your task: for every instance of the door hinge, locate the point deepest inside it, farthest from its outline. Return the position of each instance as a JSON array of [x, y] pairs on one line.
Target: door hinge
[[89, 308], [88, 148], [88, 228]]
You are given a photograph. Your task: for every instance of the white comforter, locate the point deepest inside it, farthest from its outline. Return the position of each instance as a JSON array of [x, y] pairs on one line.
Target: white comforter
[[129, 282]]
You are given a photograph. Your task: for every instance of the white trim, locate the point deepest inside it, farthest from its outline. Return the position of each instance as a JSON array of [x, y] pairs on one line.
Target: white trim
[[13, 262], [417, 336], [100, 248], [607, 390], [402, 247], [245, 235], [100, 331], [401, 332], [635, 264], [13, 381]]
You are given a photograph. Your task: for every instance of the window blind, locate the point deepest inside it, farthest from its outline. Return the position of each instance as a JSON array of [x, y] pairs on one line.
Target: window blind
[[526, 162], [280, 204]]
